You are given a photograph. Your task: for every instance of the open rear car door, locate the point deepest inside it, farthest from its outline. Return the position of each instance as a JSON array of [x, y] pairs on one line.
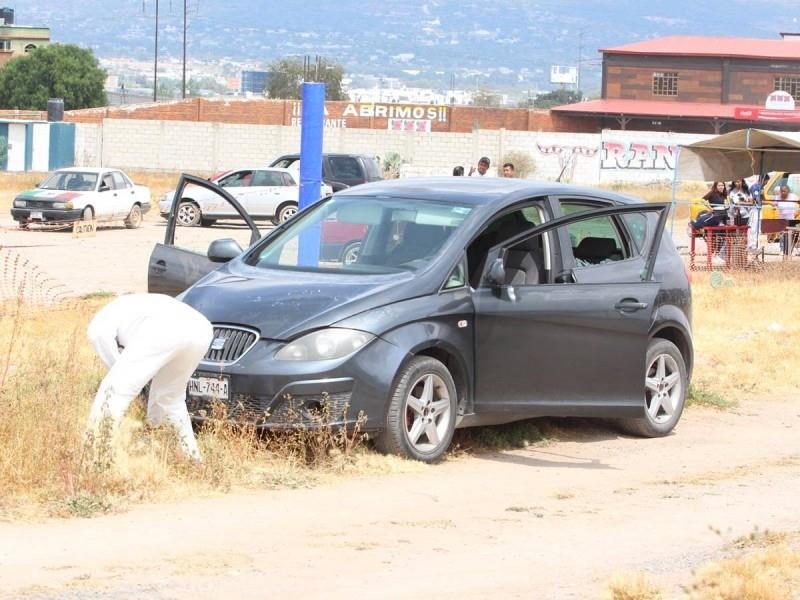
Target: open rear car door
[[173, 269]]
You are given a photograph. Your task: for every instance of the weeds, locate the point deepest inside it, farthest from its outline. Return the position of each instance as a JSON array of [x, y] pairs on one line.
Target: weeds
[[632, 587], [500, 437], [700, 395]]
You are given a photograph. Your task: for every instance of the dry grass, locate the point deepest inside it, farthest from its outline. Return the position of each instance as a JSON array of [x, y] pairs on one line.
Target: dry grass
[[48, 375], [662, 192], [12, 184], [632, 587], [747, 335], [766, 568]]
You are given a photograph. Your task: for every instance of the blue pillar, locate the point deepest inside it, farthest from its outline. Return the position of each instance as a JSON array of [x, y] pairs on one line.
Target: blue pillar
[[311, 165]]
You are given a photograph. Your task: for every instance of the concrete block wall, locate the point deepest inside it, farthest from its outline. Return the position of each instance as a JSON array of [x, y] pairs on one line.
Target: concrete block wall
[[625, 156]]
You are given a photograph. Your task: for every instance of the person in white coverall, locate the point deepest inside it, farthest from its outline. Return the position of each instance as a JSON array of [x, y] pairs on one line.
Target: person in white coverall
[[148, 338]]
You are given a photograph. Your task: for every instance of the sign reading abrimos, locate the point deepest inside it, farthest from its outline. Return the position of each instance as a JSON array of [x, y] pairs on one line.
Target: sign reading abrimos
[[341, 115]]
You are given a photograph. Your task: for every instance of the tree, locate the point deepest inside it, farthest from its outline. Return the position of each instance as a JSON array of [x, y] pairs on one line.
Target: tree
[[286, 75], [486, 97], [557, 98], [57, 71]]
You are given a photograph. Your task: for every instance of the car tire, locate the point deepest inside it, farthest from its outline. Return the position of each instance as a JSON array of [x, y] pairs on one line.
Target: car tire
[[22, 224], [666, 387], [207, 222], [134, 219], [189, 214], [87, 214], [422, 406], [350, 253], [285, 212]]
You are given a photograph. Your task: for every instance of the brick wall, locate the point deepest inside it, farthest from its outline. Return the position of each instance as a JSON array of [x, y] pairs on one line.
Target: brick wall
[[752, 87], [460, 119], [636, 83]]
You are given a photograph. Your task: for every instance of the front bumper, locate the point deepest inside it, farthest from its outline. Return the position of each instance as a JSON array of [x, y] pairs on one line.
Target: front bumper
[[283, 394], [23, 215]]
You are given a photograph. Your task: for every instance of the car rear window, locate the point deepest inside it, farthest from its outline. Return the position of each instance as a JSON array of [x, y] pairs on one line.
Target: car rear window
[[267, 178], [345, 167]]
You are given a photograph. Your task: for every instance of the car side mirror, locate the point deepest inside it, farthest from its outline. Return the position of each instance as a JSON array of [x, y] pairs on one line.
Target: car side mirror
[[221, 251], [497, 273], [104, 188]]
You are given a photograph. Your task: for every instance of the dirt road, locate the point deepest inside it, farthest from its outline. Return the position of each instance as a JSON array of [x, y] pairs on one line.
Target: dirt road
[[550, 522]]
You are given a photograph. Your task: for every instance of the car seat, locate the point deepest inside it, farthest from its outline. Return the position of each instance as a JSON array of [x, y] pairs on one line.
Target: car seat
[[595, 250], [419, 241]]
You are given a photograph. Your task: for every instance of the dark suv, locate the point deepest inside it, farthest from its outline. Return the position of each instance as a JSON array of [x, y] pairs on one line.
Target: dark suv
[[339, 171]]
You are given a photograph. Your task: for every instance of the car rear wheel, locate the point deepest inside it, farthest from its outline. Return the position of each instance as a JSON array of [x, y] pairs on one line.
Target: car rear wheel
[[422, 412], [285, 212], [666, 384], [134, 219], [189, 214], [350, 253]]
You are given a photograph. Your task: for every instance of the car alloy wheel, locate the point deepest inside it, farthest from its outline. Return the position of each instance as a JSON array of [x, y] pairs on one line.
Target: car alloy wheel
[[421, 417], [188, 214], [666, 385], [427, 414], [663, 388]]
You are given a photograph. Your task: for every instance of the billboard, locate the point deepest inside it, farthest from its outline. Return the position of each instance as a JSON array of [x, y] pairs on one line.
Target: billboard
[[562, 74]]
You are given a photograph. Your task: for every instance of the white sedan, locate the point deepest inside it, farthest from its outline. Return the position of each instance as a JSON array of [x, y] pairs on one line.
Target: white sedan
[[265, 193], [75, 194]]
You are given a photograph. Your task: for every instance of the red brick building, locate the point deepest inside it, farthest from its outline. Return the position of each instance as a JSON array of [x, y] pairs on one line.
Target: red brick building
[[694, 84]]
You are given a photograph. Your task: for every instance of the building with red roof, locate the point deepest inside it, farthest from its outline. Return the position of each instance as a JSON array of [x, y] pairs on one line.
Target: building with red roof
[[696, 84]]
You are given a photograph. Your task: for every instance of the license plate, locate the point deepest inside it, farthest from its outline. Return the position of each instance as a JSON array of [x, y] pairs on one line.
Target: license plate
[[36, 214], [216, 388]]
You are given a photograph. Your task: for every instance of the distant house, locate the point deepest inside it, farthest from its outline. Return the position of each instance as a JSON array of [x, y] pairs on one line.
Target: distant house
[[17, 40], [694, 84]]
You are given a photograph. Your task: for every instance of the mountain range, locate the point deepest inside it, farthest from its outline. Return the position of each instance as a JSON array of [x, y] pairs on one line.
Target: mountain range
[[499, 44]]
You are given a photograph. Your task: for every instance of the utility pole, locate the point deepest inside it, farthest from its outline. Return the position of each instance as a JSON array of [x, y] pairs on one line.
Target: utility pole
[[155, 61], [580, 61], [183, 85]]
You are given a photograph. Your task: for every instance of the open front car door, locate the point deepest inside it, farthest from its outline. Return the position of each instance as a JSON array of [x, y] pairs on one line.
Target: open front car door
[[174, 268]]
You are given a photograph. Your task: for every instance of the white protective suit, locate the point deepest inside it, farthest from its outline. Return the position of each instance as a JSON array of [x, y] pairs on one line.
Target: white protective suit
[[162, 340]]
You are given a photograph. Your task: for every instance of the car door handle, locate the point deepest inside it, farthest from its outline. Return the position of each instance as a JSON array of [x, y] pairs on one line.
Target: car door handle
[[630, 305], [160, 266]]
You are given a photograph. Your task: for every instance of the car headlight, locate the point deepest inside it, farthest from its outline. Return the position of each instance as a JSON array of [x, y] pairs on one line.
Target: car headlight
[[20, 204], [69, 205], [59, 205], [325, 344]]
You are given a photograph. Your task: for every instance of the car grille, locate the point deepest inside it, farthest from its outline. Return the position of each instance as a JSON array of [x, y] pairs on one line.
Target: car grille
[[38, 204], [242, 407], [230, 344], [315, 409]]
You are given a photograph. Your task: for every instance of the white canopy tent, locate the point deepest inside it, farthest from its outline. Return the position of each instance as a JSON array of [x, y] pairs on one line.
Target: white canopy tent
[[738, 154]]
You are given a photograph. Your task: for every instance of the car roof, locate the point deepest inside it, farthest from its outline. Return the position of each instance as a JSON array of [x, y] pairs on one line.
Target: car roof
[[85, 170], [296, 155], [478, 191], [251, 168]]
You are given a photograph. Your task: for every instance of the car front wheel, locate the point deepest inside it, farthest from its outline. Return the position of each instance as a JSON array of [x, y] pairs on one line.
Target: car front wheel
[[422, 412], [666, 385], [189, 214]]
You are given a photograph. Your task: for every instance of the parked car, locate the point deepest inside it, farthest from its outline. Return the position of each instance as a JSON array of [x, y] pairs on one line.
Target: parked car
[[83, 194], [470, 302], [267, 194], [339, 171]]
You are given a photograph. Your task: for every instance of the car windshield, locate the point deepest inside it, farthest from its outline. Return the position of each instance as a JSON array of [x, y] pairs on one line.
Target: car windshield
[[362, 235], [70, 180]]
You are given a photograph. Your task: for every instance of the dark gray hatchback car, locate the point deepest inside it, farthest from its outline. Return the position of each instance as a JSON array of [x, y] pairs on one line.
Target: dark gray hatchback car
[[471, 302]]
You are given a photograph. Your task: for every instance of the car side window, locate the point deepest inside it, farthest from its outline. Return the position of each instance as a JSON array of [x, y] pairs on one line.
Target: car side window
[[501, 227], [594, 241], [288, 179], [237, 179], [266, 179], [119, 180], [457, 278], [107, 183], [345, 167]]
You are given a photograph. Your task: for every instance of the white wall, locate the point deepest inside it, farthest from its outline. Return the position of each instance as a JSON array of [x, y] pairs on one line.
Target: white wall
[[40, 159], [16, 147], [209, 147]]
